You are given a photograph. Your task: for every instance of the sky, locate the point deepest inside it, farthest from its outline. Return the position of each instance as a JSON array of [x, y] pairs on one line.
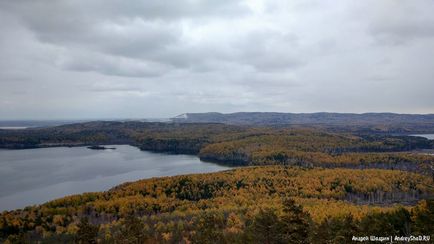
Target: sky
[[153, 59]]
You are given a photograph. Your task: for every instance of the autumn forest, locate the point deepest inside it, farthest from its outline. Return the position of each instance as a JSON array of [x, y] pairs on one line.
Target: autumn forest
[[303, 184]]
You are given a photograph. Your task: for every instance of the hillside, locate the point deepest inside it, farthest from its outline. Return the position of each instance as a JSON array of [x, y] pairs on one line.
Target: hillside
[[239, 145], [330, 185], [403, 121], [233, 205]]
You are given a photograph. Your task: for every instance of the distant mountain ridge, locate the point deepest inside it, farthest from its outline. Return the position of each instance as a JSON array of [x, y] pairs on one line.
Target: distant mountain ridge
[[274, 118]]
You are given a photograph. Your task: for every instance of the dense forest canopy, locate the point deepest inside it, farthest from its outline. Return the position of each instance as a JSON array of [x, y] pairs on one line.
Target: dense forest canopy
[[177, 208]]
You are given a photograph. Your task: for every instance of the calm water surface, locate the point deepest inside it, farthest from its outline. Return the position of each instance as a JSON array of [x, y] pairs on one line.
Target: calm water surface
[[427, 136], [34, 176]]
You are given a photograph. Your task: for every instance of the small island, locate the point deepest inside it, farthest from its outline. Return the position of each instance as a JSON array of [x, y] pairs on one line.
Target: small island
[[98, 147]]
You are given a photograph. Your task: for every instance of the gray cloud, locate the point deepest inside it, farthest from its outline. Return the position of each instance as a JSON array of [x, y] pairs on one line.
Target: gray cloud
[[110, 65], [399, 22], [147, 58]]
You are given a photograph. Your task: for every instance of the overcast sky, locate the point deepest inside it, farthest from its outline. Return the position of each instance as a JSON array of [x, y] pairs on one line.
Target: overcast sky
[[118, 59]]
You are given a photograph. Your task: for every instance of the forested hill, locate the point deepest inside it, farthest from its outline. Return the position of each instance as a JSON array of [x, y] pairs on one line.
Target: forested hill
[[239, 145], [316, 185], [265, 118], [244, 205]]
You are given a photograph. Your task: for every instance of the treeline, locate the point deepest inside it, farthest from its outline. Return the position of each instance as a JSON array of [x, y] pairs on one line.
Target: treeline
[[320, 149], [229, 153], [193, 137], [389, 122], [109, 132], [239, 145], [92, 133], [234, 206]]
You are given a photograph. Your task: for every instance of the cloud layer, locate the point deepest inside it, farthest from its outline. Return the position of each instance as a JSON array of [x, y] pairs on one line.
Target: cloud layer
[[112, 58]]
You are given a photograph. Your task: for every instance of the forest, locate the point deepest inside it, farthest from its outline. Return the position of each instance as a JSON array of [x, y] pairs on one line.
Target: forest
[[216, 121], [268, 204], [240, 145], [290, 185], [366, 122]]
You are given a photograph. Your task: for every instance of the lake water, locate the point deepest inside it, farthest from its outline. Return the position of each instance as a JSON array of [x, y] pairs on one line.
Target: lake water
[[427, 136], [34, 176], [12, 127]]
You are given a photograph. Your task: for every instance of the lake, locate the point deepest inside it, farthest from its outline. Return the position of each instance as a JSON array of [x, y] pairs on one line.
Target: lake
[[34, 176], [12, 127], [427, 136]]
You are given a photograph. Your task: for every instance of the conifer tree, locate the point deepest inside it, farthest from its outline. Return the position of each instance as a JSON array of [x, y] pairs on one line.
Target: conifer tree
[[87, 233], [294, 224]]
